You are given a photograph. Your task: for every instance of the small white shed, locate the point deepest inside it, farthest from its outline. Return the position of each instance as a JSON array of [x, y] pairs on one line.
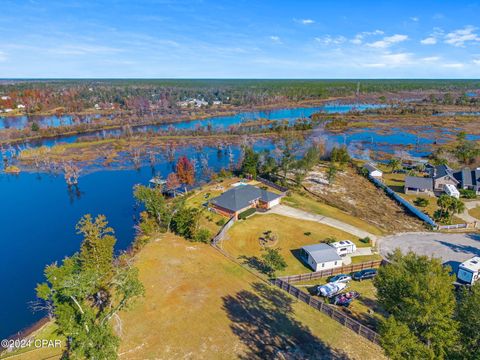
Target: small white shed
[[373, 171], [344, 247], [321, 257]]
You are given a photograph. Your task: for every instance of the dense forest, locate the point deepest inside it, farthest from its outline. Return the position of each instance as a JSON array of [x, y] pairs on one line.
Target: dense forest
[[166, 95]]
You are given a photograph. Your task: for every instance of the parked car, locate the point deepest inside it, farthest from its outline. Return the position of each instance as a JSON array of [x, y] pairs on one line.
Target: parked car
[[365, 274], [330, 289], [346, 298], [341, 278]]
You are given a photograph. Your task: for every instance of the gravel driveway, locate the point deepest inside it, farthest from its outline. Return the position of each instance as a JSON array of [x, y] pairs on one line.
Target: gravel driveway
[[452, 248]]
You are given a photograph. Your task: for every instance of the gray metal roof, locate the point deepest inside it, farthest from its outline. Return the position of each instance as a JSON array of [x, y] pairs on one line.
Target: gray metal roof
[[421, 183], [242, 196], [443, 170], [322, 253], [370, 167]]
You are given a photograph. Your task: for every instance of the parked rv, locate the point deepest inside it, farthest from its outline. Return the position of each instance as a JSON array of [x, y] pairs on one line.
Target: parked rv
[[468, 271], [344, 247]]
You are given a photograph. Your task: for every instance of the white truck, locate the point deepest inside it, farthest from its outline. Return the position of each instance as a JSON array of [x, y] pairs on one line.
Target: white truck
[[468, 271]]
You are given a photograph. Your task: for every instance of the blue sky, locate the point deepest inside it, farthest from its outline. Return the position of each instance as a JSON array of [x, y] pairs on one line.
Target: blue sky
[[240, 39]]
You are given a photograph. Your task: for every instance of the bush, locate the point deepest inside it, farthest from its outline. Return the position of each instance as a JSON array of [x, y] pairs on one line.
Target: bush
[[468, 194], [366, 240], [307, 233], [246, 213], [330, 239], [202, 235], [221, 222], [422, 202]]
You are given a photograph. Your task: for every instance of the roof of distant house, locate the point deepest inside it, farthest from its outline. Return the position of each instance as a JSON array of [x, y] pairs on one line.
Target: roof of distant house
[[443, 170], [416, 182], [371, 167], [322, 253], [242, 196]]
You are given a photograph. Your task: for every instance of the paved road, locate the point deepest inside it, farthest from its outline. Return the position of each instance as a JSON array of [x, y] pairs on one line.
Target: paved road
[[454, 248], [303, 215]]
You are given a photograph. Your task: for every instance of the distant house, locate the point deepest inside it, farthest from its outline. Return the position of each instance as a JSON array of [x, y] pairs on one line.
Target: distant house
[[240, 198], [321, 257], [418, 185], [443, 175], [373, 171], [20, 106], [468, 179]]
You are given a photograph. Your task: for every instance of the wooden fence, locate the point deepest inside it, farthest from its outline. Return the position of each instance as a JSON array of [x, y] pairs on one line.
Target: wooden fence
[[223, 231], [451, 227], [329, 310], [325, 273], [283, 189]]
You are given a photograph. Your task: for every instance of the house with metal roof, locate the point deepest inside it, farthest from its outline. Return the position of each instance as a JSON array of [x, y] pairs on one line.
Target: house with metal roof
[[321, 257], [418, 185], [469, 179], [240, 198], [373, 171], [443, 175]]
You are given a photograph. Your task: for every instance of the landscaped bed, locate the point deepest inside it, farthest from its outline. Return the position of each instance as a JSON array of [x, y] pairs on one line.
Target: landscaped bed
[[246, 239]]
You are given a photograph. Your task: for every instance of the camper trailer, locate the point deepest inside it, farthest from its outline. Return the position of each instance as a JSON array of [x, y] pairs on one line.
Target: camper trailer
[[344, 247], [468, 271], [452, 191]]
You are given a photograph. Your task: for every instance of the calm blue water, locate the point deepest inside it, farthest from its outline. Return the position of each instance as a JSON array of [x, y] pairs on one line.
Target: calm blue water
[[38, 215], [21, 122]]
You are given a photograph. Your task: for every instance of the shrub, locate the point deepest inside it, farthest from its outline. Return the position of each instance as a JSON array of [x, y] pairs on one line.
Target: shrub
[[307, 233], [330, 239], [202, 235], [220, 222], [366, 240], [247, 213], [422, 202], [468, 194]]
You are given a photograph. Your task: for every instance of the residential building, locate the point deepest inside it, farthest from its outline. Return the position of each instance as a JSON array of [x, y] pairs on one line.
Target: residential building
[[469, 179], [373, 171], [443, 175], [419, 185], [321, 257], [243, 197]]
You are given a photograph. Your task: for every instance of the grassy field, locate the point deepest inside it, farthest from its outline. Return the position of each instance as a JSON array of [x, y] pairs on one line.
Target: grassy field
[[243, 239], [201, 305], [475, 212], [309, 204], [46, 332]]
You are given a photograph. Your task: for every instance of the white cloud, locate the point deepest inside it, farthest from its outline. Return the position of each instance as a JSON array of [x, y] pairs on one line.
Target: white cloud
[[461, 36], [453, 65], [429, 41], [388, 41], [398, 59], [3, 56], [304, 21], [431, 58], [476, 61], [83, 49], [276, 39], [358, 39], [331, 40], [415, 18]]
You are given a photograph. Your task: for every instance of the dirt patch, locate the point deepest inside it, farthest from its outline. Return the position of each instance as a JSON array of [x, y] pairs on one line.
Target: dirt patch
[[357, 196]]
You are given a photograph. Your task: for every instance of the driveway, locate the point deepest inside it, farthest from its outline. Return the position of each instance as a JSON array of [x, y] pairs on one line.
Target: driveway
[[453, 248], [303, 215]]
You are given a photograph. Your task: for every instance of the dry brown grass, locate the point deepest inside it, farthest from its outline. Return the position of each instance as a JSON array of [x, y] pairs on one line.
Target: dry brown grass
[[201, 305], [357, 196]]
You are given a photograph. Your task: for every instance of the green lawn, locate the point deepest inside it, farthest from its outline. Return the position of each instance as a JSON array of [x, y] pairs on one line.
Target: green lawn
[[311, 205], [244, 238]]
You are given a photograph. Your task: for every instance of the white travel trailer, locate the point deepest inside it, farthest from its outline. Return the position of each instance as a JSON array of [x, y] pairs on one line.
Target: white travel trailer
[[468, 271], [452, 191], [344, 247]]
